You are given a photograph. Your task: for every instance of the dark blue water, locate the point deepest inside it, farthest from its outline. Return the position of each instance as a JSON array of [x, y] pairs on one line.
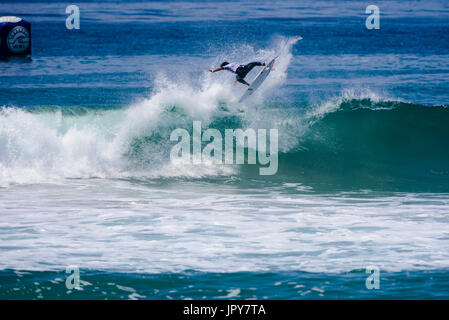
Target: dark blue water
[[363, 174]]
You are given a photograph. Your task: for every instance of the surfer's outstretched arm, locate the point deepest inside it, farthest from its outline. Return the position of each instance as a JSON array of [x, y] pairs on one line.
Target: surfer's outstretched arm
[[215, 70]]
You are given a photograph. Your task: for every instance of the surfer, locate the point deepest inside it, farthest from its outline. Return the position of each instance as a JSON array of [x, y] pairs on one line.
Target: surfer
[[240, 70]]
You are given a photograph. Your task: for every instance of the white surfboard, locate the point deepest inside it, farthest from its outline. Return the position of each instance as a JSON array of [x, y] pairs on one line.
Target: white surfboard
[[259, 80]]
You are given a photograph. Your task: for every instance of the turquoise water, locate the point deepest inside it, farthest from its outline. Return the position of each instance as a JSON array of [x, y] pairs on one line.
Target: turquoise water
[[363, 174], [242, 285]]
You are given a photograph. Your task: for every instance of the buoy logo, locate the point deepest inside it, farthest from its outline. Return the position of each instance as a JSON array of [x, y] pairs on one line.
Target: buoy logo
[[18, 39]]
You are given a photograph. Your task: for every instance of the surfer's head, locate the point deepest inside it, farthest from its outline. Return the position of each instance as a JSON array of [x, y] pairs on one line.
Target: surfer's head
[[224, 63]]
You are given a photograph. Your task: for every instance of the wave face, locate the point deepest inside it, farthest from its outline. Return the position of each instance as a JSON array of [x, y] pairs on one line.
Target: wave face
[[350, 142], [368, 143]]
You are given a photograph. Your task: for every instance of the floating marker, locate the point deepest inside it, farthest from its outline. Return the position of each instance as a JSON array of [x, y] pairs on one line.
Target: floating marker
[[15, 36]]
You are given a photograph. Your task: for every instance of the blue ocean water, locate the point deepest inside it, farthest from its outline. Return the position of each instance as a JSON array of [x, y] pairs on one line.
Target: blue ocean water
[[363, 175]]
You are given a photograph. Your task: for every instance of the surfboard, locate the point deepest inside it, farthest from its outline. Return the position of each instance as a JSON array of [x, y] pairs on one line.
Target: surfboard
[[259, 80]]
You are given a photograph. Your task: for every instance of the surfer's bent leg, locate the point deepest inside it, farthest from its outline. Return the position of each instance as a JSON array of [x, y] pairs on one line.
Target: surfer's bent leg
[[241, 80]]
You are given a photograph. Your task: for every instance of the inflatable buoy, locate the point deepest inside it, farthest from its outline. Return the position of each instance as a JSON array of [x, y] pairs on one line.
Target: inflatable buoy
[[15, 36]]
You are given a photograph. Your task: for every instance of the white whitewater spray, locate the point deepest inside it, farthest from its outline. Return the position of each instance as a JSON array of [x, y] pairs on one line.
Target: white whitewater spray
[[129, 142]]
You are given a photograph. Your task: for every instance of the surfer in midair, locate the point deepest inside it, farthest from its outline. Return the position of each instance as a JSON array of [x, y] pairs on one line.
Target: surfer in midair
[[241, 70]]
